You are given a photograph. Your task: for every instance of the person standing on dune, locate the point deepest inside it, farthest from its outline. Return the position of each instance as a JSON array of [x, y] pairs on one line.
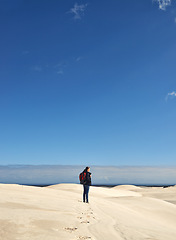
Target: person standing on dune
[[86, 184]]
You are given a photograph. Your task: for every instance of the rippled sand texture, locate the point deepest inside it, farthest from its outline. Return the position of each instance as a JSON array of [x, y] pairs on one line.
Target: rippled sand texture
[[57, 212]]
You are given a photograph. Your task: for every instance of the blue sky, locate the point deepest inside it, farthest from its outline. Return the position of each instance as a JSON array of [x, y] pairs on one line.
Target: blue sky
[[88, 82]]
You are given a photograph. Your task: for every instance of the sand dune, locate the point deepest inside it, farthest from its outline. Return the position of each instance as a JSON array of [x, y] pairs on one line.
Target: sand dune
[[127, 187], [57, 212]]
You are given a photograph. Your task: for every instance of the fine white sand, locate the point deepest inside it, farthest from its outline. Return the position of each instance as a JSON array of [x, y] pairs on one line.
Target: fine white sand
[[57, 212]]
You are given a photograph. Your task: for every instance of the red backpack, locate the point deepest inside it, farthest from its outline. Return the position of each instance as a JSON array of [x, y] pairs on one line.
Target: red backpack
[[82, 177]]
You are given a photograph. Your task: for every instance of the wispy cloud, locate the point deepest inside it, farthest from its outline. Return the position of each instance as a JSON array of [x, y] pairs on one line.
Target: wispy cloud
[[79, 59], [171, 95], [37, 68], [25, 52], [60, 72], [78, 10], [60, 67], [163, 4]]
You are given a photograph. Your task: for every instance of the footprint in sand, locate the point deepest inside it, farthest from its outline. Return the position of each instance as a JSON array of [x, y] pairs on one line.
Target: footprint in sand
[[85, 221], [84, 237], [71, 229], [86, 216]]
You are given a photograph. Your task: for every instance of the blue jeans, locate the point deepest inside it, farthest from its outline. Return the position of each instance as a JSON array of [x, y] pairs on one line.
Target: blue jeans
[[85, 193]]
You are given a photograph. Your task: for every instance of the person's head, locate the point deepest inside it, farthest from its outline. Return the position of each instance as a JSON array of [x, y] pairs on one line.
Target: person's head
[[88, 169]]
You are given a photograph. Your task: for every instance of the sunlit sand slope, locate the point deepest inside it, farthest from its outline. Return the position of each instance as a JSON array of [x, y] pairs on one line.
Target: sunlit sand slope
[[57, 212]]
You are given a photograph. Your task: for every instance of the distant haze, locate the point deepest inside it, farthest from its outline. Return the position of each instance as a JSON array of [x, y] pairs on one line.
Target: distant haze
[[105, 175]]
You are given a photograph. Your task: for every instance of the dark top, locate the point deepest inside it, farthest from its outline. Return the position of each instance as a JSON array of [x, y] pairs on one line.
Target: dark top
[[88, 179]]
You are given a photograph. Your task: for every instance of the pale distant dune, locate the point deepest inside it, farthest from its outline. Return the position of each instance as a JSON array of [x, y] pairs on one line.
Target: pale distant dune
[[127, 187], [124, 212]]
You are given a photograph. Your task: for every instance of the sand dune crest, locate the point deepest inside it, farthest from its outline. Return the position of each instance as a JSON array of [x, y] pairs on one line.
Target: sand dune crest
[[57, 212]]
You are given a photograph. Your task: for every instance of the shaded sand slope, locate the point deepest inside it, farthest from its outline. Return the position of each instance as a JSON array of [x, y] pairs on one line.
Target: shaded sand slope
[[56, 212]]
